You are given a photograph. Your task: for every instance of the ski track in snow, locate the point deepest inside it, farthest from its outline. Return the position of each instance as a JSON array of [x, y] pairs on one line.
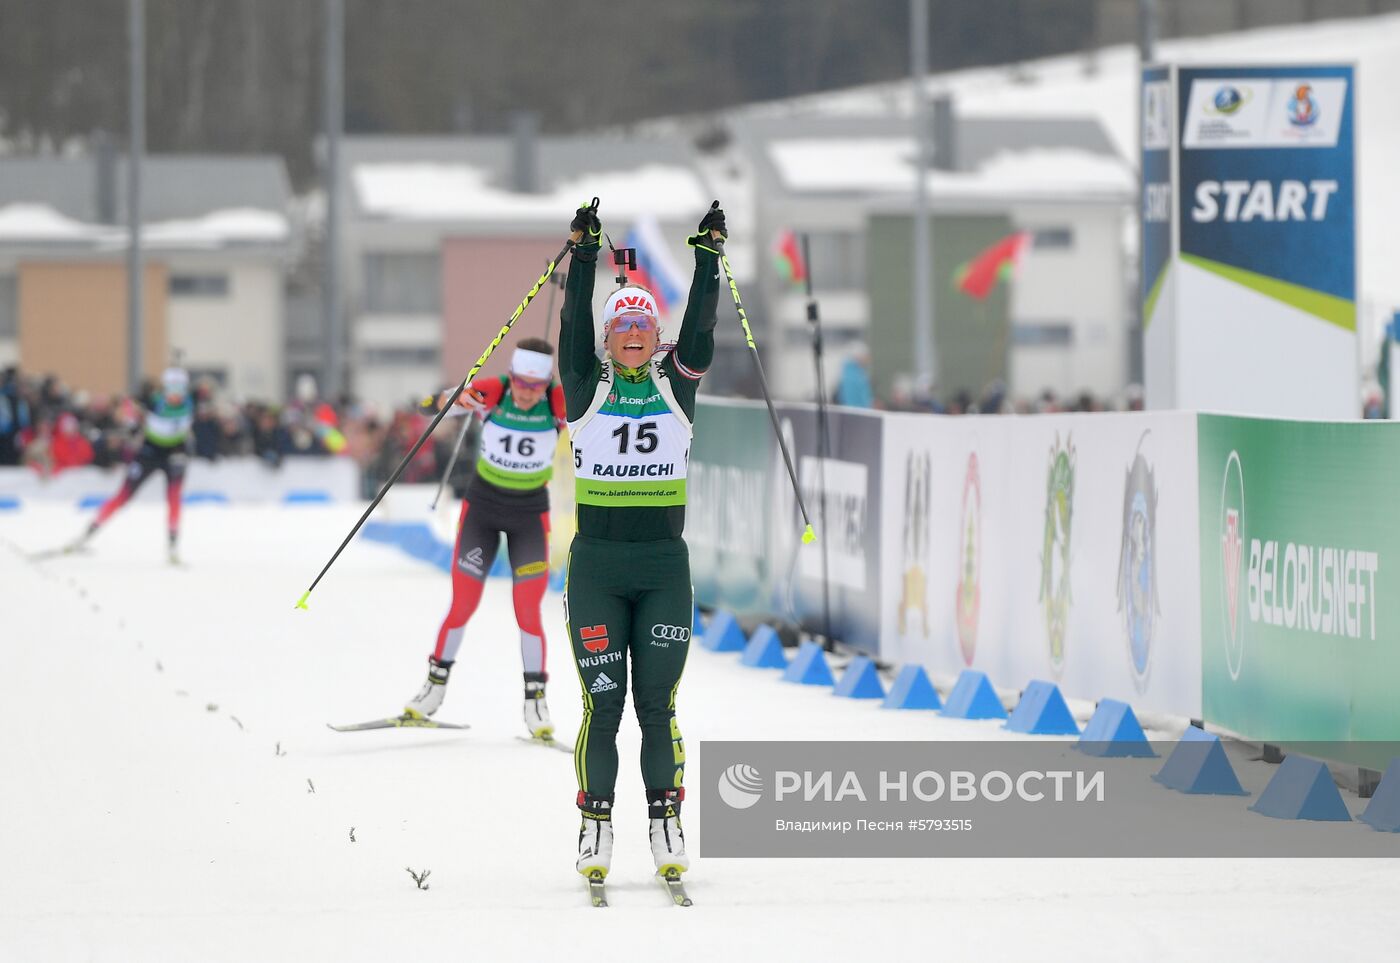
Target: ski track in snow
[[146, 814]]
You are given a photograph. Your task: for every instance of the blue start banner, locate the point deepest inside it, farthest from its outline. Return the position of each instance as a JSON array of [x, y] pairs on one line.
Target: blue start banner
[[1156, 211], [1258, 181], [1268, 199]]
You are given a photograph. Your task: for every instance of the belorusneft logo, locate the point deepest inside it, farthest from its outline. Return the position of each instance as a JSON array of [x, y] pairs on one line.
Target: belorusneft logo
[[1324, 589], [1321, 589], [741, 786]]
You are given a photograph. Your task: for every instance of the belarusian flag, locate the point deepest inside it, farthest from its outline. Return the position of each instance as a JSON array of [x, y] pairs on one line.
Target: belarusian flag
[[977, 277], [787, 257]]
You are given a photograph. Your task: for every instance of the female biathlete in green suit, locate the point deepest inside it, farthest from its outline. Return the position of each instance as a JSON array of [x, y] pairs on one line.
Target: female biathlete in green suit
[[628, 592]]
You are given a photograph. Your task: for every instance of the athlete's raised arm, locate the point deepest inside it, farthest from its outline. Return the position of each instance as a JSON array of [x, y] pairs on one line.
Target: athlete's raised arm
[[578, 359], [695, 343]]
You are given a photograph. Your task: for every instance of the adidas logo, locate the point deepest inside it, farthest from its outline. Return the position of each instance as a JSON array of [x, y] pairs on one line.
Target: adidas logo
[[602, 684]]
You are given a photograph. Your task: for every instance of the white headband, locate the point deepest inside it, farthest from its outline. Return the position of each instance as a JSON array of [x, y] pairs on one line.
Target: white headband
[[535, 365], [630, 300]]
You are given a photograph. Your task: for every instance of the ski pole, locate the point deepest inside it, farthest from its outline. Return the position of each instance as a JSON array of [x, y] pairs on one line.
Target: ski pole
[[452, 461], [480, 363], [555, 283], [808, 535]]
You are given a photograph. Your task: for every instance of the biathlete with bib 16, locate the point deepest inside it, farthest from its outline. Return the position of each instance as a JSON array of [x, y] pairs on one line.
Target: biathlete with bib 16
[[521, 415]]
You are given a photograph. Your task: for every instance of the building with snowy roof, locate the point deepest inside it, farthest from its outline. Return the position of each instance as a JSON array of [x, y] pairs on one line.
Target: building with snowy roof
[[218, 242], [847, 182], [443, 236]]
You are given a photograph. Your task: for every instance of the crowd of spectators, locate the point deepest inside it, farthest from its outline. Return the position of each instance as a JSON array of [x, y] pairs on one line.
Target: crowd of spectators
[[49, 427]]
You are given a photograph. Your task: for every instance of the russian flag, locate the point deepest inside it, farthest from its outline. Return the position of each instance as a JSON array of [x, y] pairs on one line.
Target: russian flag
[[656, 269]]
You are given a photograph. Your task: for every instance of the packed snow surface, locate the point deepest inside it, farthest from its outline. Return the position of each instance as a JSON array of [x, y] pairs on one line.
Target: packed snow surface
[[171, 791]]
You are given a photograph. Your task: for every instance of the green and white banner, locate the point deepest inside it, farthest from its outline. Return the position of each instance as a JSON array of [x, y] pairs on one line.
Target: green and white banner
[[744, 528], [1300, 573], [1240, 570]]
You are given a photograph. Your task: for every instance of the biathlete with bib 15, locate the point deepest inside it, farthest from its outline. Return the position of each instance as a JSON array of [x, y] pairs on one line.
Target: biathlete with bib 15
[[628, 599]]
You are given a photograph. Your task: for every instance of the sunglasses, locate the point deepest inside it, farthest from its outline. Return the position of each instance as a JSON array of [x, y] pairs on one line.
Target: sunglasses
[[527, 384], [632, 322]]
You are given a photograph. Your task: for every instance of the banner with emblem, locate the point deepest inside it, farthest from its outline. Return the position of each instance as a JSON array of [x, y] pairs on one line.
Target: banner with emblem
[[1299, 574], [1057, 547]]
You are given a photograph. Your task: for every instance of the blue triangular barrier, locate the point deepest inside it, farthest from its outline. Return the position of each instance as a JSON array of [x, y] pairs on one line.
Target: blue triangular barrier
[[809, 666], [1114, 731], [378, 532], [500, 568], [765, 650], [417, 539], [444, 557], [1302, 789], [558, 578], [9, 503], [1198, 765], [1042, 711], [204, 498], [724, 633], [1383, 811], [92, 501], [307, 496], [697, 625], [973, 698], [861, 680], [912, 690]]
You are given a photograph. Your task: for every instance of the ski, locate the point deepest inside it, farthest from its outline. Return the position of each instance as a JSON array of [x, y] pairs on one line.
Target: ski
[[597, 891], [72, 548], [404, 721], [549, 742], [674, 886]]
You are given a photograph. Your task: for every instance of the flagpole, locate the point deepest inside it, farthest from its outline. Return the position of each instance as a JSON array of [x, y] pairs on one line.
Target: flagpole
[[823, 441]]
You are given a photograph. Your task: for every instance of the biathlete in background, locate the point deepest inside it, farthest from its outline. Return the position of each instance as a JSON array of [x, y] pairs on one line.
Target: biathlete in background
[[521, 416], [169, 417], [628, 590]]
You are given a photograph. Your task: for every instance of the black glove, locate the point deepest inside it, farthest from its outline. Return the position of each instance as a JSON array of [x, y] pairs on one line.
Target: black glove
[[714, 221], [586, 222]]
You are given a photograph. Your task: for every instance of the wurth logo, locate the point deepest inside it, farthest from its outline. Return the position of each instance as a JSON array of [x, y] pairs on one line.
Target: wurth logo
[[634, 301], [593, 661], [595, 637]]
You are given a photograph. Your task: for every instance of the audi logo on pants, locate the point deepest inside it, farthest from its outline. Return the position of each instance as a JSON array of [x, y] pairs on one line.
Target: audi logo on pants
[[670, 633]]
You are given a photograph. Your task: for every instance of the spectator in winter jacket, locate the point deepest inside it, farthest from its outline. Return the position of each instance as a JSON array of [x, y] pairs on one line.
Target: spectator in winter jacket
[[70, 449], [854, 389], [14, 417]]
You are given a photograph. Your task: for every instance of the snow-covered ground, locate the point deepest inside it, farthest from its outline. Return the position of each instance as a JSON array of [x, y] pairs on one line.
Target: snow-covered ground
[[164, 729]]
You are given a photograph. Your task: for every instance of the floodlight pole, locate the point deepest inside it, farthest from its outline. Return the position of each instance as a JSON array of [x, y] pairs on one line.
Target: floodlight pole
[[135, 153], [333, 105], [924, 355]]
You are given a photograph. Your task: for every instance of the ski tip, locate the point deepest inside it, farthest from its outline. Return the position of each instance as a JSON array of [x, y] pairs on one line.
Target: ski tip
[[809, 536], [301, 602]]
